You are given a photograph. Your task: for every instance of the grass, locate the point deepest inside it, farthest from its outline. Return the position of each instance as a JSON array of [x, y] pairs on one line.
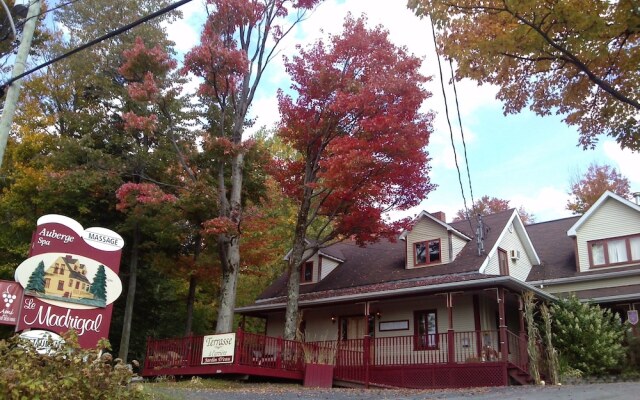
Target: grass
[[167, 388]]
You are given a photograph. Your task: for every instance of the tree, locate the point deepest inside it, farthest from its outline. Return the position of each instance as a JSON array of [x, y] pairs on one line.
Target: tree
[[36, 280], [588, 338], [587, 189], [99, 284], [575, 58], [360, 140], [239, 40], [490, 205]]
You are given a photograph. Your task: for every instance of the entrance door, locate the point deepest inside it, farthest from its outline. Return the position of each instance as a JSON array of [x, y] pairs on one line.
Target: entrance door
[[352, 328]]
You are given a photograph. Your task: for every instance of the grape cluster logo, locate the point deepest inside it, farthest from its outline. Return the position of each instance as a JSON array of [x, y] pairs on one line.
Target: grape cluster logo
[[8, 298]]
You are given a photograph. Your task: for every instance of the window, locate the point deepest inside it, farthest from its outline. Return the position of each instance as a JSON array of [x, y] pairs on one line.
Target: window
[[306, 272], [427, 252], [425, 325], [503, 261], [614, 251], [47, 282], [60, 285]]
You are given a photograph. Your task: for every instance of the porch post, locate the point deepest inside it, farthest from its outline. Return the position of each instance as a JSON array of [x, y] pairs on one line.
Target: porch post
[[367, 358], [239, 346], [450, 333], [503, 326]]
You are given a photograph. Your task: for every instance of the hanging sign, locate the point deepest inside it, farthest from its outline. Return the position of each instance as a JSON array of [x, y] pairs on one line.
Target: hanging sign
[[632, 317], [70, 280], [11, 298]]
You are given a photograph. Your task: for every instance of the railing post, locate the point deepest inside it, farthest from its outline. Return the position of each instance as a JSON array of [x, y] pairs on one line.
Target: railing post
[[239, 346], [504, 349], [279, 353], [367, 358], [146, 357], [452, 346]]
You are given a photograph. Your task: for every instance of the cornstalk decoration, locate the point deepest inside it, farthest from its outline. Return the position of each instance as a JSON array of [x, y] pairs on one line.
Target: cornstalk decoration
[[532, 332], [551, 352]]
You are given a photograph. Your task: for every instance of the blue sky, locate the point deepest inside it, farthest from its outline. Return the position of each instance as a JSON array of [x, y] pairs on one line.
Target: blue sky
[[526, 159]]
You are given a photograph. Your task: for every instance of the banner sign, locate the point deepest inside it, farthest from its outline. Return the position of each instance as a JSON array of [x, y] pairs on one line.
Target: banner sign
[[70, 279], [11, 298], [632, 317], [218, 349]]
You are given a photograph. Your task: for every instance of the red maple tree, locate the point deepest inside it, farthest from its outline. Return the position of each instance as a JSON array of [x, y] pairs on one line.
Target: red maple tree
[[360, 141]]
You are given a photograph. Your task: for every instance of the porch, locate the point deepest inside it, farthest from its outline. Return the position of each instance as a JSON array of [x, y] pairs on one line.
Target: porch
[[444, 360]]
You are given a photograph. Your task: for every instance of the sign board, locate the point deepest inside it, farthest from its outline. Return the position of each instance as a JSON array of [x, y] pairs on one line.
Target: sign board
[[70, 279], [11, 298], [43, 341], [218, 349], [632, 317]]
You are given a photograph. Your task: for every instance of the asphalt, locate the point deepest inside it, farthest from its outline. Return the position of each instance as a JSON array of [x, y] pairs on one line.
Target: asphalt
[[600, 391]]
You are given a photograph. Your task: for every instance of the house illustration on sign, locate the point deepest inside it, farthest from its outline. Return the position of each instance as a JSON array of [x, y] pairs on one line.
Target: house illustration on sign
[[66, 280]]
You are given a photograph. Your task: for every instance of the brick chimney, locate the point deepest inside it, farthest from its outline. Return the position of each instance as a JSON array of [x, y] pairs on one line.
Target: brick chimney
[[440, 215]]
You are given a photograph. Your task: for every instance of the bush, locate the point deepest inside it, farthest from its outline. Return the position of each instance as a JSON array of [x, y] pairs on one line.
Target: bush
[[588, 338], [67, 372]]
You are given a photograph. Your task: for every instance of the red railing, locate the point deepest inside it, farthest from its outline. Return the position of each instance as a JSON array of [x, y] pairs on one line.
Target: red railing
[[173, 353], [270, 352]]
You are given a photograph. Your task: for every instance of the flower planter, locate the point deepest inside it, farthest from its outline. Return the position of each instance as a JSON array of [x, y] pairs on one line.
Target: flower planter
[[318, 375]]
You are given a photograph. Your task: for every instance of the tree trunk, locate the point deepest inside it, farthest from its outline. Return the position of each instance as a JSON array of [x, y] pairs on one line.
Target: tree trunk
[[193, 282], [295, 260], [229, 247], [131, 294]]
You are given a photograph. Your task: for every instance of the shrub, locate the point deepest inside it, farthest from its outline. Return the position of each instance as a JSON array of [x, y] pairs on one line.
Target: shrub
[[67, 372], [588, 338]]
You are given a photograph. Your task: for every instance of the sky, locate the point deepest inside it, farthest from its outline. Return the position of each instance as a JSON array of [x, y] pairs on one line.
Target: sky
[[526, 159]]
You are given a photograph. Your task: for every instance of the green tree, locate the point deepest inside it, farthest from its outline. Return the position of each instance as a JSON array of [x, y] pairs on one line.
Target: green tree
[[578, 58], [587, 189], [99, 285], [36, 280], [587, 337]]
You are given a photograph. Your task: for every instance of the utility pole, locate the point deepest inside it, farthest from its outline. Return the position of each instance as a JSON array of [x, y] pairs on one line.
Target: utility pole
[[11, 101]]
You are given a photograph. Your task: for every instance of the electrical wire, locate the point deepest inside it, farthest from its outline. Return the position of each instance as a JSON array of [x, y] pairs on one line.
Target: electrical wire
[[464, 143], [98, 40], [446, 108]]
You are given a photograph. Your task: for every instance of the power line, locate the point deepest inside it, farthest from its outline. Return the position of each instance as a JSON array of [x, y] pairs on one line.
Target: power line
[[464, 143], [446, 109], [98, 40]]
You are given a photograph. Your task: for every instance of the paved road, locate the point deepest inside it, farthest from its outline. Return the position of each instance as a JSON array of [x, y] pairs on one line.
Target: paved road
[[603, 391]]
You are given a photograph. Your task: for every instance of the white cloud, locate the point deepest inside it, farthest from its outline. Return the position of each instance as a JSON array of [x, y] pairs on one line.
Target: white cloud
[[626, 162], [546, 203]]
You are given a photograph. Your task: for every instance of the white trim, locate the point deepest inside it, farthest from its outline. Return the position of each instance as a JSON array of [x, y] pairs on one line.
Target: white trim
[[336, 259], [573, 230]]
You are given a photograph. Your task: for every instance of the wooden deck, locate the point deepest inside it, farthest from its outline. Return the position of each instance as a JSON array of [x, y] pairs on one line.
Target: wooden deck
[[458, 359]]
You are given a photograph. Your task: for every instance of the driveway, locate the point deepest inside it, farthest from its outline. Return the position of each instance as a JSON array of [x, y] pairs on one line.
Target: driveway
[[601, 391]]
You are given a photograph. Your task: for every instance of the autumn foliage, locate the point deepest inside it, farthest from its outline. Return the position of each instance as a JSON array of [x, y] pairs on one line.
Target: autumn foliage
[[357, 127], [587, 189], [490, 205]]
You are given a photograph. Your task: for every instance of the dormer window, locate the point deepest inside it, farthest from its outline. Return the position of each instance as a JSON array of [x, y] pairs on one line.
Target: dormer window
[[603, 253], [306, 272], [427, 252]]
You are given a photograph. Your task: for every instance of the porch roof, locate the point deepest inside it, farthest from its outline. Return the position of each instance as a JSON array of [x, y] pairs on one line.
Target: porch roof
[[618, 294], [429, 285]]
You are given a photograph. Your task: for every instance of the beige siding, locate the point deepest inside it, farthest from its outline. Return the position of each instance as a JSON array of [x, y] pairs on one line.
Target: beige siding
[[328, 265], [611, 219], [275, 325], [520, 268], [457, 245], [594, 284], [426, 229]]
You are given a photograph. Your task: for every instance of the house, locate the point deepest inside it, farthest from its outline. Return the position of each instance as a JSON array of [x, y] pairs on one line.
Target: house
[[67, 277], [442, 306], [596, 256]]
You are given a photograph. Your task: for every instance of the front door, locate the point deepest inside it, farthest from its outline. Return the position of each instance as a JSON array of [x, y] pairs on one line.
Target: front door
[[352, 327]]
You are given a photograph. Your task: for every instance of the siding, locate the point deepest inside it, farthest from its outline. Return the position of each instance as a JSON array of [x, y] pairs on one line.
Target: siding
[[518, 269], [458, 244], [610, 220], [426, 229], [594, 284], [328, 265]]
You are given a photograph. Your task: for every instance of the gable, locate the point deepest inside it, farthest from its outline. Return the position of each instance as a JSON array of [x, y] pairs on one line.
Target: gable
[[611, 219], [427, 231]]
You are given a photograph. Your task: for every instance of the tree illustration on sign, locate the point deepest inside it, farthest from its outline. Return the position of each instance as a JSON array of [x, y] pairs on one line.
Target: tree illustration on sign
[[36, 280], [99, 285]]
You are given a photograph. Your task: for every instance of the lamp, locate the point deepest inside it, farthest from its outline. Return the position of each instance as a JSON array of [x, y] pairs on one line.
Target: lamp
[[333, 319], [378, 314]]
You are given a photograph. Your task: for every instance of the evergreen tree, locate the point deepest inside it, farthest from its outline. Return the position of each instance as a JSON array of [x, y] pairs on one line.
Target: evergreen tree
[[588, 338], [99, 285], [36, 280]]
